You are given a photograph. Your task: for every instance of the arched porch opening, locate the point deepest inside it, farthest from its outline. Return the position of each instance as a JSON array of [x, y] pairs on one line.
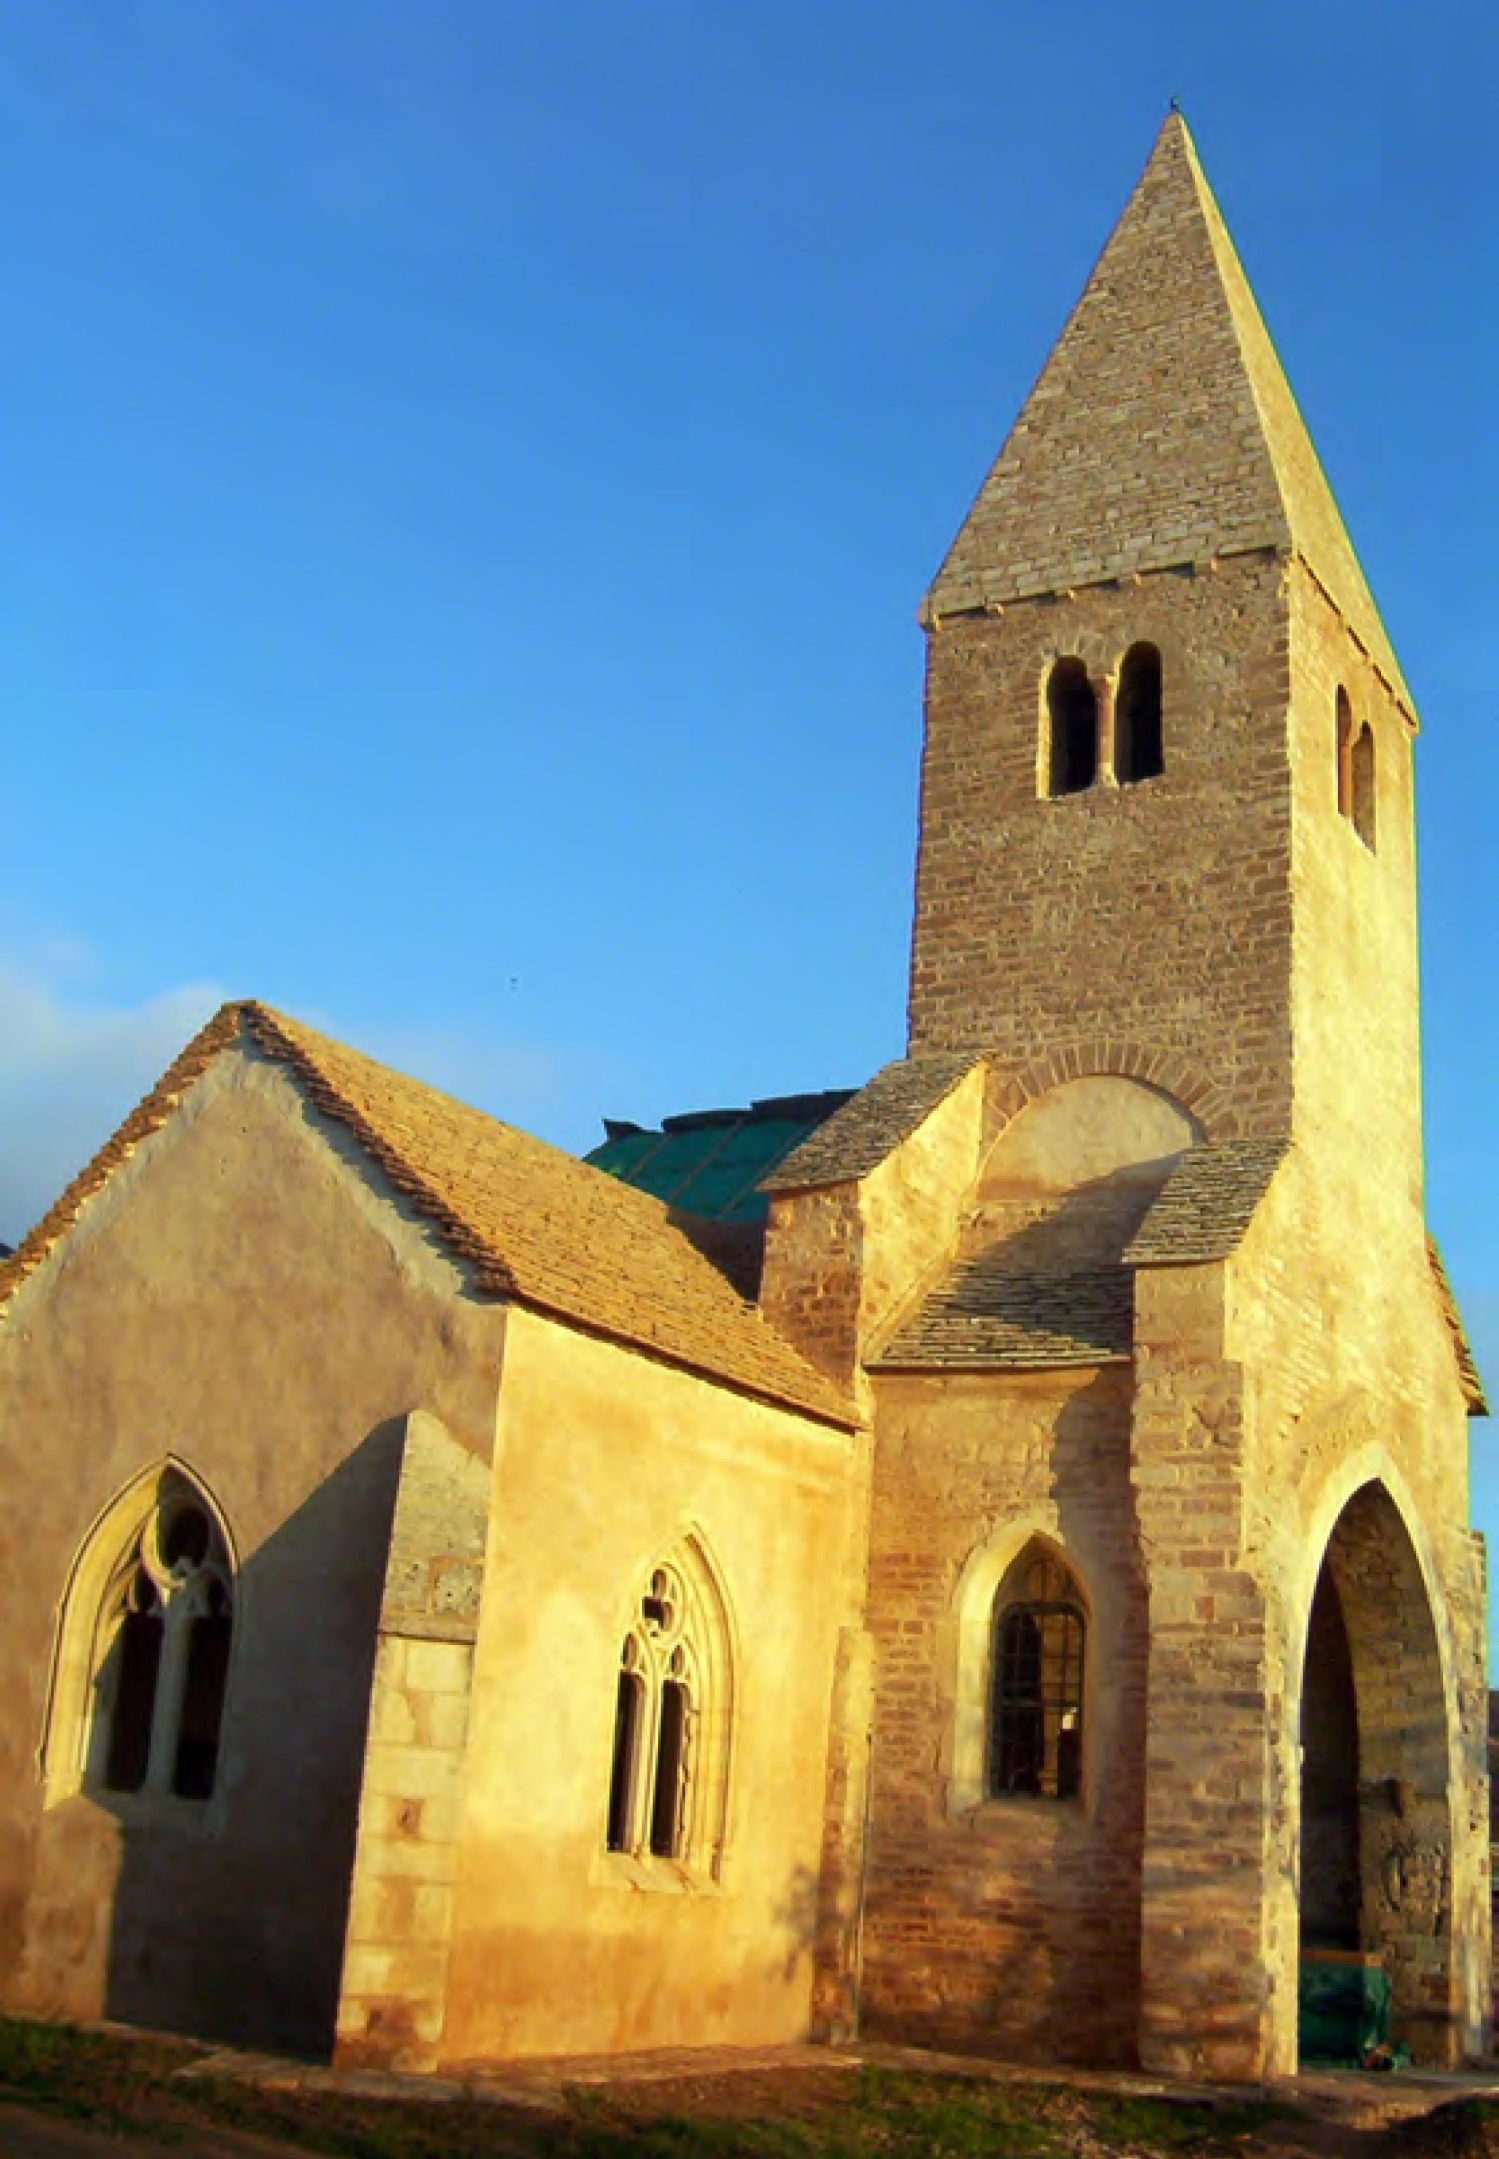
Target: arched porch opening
[[1376, 1833]]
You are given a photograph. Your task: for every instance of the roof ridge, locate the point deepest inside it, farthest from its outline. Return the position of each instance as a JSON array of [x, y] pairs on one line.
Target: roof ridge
[[1281, 416], [653, 1288], [273, 1032], [1164, 349], [148, 1116]]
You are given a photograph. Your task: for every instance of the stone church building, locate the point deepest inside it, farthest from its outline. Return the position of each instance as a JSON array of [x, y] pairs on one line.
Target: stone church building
[[984, 1560]]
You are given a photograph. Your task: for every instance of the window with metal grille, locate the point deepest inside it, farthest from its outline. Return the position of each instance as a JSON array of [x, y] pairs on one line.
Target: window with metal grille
[[1036, 1722]]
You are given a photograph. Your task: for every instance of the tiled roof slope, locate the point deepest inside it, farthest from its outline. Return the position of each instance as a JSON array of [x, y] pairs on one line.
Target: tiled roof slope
[[1161, 430], [987, 1317], [1467, 1367], [872, 1123], [532, 1223], [1206, 1204], [1056, 1287]]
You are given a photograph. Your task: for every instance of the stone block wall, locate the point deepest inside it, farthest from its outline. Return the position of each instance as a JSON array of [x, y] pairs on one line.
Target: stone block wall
[[392, 2004], [1158, 913], [1005, 1925]]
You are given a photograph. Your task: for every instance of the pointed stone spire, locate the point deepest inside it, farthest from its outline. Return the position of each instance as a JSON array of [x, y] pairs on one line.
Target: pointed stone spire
[[1162, 430]]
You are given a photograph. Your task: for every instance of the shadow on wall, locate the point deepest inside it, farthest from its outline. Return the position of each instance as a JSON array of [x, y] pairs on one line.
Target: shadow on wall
[[229, 1913]]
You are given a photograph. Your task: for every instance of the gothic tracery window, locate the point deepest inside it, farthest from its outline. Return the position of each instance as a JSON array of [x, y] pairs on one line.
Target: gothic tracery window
[[161, 1654], [669, 1760], [1036, 1709]]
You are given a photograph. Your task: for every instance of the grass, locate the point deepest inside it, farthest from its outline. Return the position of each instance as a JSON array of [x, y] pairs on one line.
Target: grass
[[125, 2084]]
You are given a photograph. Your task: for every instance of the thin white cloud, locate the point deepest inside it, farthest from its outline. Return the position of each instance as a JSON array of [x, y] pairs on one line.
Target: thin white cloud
[[70, 1069], [72, 1066]]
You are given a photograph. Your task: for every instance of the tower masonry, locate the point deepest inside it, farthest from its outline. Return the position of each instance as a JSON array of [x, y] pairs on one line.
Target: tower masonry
[[1153, 664]]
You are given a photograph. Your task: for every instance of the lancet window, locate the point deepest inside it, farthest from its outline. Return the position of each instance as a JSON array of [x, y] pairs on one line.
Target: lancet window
[[1036, 1711]]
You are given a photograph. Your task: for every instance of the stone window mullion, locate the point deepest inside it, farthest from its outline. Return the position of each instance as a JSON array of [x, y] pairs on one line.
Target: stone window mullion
[[171, 1681], [1103, 696]]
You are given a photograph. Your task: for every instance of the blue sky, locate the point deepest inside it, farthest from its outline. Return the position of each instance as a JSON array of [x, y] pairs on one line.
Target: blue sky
[[471, 467]]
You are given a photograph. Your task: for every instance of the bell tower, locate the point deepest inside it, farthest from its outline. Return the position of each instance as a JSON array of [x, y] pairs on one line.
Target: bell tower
[[1166, 792]]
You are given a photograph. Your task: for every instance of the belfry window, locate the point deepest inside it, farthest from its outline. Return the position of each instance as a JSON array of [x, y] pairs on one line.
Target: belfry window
[[1139, 746], [1036, 1714], [1345, 755], [668, 1771], [1356, 776], [1363, 786], [1072, 723]]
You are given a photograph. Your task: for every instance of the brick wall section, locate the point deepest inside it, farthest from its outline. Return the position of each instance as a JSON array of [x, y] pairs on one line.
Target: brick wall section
[[392, 2003], [841, 1260], [1203, 2007], [1157, 914], [1009, 1926]]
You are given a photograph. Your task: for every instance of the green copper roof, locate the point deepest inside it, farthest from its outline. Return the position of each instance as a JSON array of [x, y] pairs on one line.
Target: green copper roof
[[710, 1162]]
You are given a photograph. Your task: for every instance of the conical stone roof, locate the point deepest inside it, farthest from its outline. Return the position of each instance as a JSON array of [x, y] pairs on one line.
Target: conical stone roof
[[1161, 431]]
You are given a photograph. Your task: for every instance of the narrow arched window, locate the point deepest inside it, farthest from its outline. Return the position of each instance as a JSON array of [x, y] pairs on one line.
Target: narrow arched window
[[668, 1773], [1072, 722], [1139, 744], [1362, 779], [160, 1661], [1036, 1715], [1345, 754], [628, 1717]]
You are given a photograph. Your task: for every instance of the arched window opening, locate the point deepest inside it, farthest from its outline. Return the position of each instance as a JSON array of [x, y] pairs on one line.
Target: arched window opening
[[160, 1658], [668, 1775], [133, 1668], [1363, 786], [1072, 710], [671, 1765], [1345, 754], [1036, 1718], [1139, 744], [628, 1709]]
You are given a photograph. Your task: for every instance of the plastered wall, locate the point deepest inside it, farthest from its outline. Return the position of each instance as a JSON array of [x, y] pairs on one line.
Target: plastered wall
[[238, 1296], [1157, 914], [1009, 1925], [606, 1461]]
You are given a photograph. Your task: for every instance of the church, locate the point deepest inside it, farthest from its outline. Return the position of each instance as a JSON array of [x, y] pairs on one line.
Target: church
[[982, 1560]]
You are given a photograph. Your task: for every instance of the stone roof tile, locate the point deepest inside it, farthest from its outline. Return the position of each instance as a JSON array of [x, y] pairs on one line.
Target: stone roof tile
[[1206, 1204], [1161, 431], [1467, 1366], [857, 1138], [987, 1317], [531, 1223]]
